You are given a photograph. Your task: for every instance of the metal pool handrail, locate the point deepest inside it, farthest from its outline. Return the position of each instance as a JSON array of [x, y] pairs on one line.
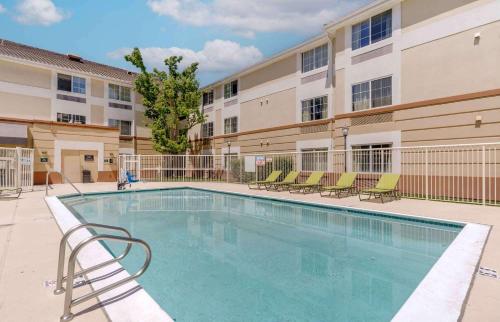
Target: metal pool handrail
[[66, 178], [69, 302], [62, 252]]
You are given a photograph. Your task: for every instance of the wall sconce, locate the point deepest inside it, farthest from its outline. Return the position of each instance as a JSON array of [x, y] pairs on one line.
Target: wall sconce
[[267, 101], [267, 142], [479, 120]]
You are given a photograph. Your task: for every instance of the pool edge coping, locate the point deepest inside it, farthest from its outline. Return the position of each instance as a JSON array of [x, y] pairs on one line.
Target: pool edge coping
[[139, 306], [453, 290]]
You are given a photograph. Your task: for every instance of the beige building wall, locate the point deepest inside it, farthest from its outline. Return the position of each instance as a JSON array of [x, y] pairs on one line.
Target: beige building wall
[[274, 71], [268, 111], [454, 65], [25, 75], [97, 88], [24, 106], [414, 12], [97, 114]]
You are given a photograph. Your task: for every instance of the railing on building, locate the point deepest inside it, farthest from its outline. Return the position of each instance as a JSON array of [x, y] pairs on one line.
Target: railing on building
[[467, 173], [16, 168]]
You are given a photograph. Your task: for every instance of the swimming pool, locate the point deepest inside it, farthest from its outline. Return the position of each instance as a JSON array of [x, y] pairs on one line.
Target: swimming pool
[[226, 257]]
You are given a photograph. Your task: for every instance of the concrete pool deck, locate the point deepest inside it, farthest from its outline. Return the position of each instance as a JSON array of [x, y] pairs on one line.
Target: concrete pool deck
[[29, 239]]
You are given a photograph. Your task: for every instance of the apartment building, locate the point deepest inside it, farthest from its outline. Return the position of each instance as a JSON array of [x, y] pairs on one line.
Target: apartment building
[[77, 114], [394, 73]]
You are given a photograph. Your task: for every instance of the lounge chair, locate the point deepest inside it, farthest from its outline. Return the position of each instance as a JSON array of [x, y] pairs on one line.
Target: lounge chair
[[386, 186], [13, 190], [289, 179], [270, 179], [344, 184], [126, 178], [312, 183]]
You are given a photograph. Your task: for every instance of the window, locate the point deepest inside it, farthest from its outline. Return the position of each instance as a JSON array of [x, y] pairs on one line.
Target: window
[[375, 93], [231, 89], [372, 30], [69, 83], [208, 98], [381, 26], [124, 126], [231, 125], [361, 34], [315, 159], [71, 118], [361, 96], [315, 58], [315, 109], [207, 130], [120, 93], [372, 158]]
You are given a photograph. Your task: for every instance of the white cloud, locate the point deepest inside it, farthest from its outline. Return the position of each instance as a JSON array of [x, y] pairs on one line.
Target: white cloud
[[2, 8], [215, 57], [39, 12], [248, 17]]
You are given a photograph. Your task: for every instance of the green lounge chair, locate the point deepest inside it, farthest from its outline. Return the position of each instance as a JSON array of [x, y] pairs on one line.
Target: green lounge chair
[[289, 179], [344, 184], [312, 183], [271, 178], [386, 186]]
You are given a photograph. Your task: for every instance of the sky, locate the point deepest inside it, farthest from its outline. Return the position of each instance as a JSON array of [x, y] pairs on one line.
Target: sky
[[224, 36]]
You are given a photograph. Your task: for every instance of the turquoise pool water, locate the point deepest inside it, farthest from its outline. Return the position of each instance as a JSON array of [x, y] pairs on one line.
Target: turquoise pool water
[[225, 257]]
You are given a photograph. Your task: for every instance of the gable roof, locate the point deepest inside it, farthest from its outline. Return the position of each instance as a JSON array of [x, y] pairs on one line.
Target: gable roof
[[42, 56]]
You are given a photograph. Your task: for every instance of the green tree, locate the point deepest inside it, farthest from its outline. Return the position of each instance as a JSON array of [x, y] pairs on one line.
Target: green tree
[[172, 100]]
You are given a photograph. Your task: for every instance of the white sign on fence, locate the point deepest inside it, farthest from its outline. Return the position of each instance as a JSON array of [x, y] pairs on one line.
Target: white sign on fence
[[250, 163]]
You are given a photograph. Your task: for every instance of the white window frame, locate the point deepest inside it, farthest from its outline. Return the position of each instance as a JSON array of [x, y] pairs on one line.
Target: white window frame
[[71, 118], [315, 62], [73, 80], [210, 94], [233, 124], [120, 125], [325, 104], [121, 95], [386, 156], [231, 94], [207, 130], [370, 96], [370, 26]]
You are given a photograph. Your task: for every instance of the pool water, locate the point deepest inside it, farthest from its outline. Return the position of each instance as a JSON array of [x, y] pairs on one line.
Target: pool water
[[226, 257]]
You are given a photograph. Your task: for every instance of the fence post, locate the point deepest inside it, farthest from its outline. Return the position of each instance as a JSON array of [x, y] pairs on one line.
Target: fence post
[[484, 175], [18, 167], [426, 174], [139, 167]]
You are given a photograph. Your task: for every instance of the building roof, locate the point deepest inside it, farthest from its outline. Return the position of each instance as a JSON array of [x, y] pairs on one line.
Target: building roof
[[73, 62]]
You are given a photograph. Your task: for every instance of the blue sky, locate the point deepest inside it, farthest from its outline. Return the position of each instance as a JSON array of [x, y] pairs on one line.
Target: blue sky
[[223, 35]]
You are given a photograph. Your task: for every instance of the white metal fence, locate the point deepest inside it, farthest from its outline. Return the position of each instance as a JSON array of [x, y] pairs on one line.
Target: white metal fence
[[457, 173], [16, 168]]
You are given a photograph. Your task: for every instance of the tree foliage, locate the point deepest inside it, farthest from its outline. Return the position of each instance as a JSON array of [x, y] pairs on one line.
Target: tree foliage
[[172, 100]]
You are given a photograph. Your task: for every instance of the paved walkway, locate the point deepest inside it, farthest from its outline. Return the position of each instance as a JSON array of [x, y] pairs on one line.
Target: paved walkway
[[29, 240]]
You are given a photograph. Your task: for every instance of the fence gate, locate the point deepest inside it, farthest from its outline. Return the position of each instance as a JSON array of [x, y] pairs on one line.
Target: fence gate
[[16, 168]]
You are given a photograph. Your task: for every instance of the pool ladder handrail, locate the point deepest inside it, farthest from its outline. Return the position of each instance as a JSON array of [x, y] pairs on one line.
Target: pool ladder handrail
[[69, 302], [64, 177]]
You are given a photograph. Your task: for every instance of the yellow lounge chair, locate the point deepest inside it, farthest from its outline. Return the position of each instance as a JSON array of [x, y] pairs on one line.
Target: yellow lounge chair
[[386, 186], [289, 179], [271, 178], [344, 184], [312, 183]]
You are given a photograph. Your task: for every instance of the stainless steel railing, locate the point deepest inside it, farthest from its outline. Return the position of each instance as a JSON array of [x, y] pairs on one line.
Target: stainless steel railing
[[65, 178], [69, 302]]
